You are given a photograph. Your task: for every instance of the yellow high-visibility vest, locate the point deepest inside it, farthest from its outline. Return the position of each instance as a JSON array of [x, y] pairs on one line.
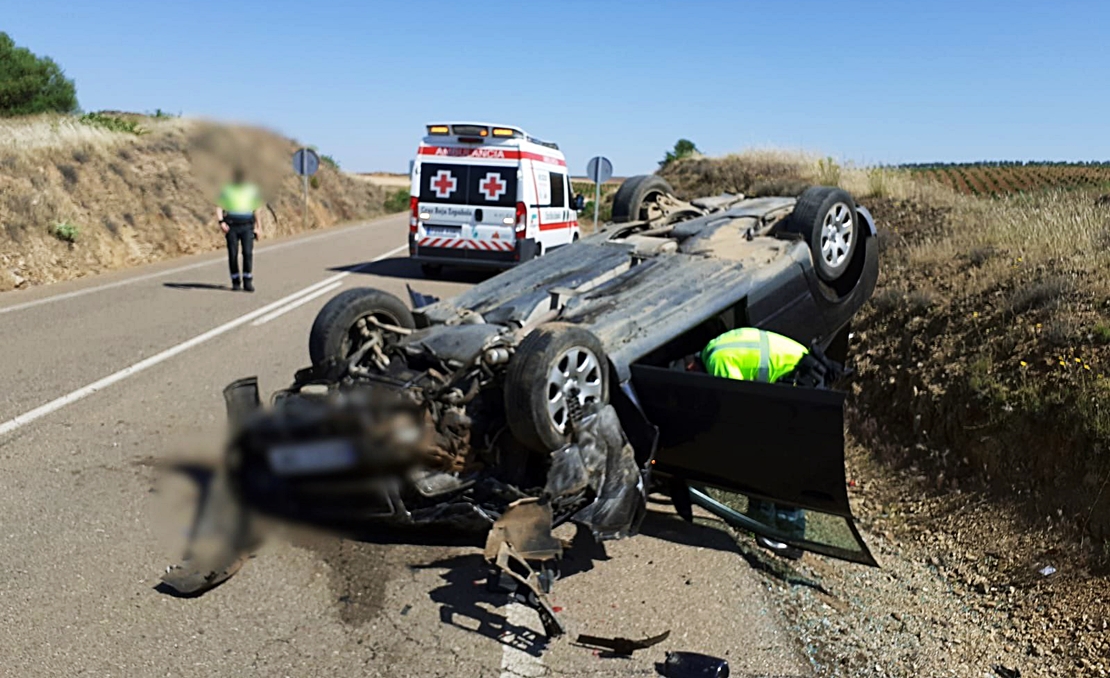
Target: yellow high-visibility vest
[[751, 354], [240, 199]]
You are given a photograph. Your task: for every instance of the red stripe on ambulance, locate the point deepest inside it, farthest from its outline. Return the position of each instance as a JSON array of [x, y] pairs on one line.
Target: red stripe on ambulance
[[489, 153]]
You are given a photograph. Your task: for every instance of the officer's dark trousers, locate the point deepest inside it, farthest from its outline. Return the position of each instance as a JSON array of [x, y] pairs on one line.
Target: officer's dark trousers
[[244, 235]]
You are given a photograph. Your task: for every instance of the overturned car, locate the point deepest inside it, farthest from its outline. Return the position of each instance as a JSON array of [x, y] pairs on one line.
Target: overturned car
[[549, 393]]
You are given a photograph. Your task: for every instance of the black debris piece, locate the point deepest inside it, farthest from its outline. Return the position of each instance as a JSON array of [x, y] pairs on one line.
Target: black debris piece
[[622, 646], [693, 665]]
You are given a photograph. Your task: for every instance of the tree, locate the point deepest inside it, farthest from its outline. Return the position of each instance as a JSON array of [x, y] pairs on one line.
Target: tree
[[32, 84], [683, 148]]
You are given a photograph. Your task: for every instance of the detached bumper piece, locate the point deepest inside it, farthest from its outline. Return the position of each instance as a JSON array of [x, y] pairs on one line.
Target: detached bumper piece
[[521, 535]]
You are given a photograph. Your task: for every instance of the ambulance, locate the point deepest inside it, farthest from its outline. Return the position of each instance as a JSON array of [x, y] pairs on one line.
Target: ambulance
[[488, 196]]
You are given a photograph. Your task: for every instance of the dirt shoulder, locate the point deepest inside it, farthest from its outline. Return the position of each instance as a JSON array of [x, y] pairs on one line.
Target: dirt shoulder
[[965, 588]]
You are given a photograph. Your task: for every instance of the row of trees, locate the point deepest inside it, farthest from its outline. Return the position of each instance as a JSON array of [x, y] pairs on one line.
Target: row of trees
[[32, 84]]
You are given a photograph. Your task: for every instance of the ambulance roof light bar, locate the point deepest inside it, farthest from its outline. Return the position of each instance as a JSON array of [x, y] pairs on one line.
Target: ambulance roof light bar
[[479, 130]]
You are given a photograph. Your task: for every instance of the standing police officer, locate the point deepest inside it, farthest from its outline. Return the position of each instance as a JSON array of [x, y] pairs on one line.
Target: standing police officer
[[238, 213]]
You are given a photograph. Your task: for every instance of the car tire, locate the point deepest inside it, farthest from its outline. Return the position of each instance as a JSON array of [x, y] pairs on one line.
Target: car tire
[[335, 332], [629, 201], [826, 218], [431, 271], [556, 369]]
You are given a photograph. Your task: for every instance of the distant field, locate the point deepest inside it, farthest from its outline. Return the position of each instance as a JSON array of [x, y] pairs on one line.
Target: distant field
[[385, 179], [987, 178]]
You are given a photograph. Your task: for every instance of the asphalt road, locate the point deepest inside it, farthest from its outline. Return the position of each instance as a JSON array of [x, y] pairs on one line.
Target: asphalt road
[[108, 376]]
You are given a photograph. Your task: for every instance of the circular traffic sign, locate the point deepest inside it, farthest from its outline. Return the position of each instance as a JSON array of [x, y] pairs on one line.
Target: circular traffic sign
[[599, 169], [306, 162]]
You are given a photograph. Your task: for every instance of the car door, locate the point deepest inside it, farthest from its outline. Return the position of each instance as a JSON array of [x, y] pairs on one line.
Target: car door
[[493, 194], [767, 458]]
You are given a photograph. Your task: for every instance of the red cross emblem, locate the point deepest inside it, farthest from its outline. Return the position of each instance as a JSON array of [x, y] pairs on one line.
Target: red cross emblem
[[492, 186], [444, 184]]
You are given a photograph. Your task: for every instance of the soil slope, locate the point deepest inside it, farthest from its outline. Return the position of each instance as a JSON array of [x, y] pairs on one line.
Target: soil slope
[[127, 198]]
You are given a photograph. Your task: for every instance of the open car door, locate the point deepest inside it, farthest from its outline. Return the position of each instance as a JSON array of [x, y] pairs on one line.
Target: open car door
[[754, 453]]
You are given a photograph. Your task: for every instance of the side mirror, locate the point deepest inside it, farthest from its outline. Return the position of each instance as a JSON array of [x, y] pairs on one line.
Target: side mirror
[[579, 202]]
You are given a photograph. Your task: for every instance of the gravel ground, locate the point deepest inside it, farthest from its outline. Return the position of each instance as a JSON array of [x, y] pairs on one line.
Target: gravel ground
[[961, 590]]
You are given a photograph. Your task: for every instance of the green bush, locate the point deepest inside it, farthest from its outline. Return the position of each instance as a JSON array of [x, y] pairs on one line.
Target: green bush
[[604, 213], [397, 201], [31, 84], [683, 148], [112, 123], [65, 231], [330, 161]]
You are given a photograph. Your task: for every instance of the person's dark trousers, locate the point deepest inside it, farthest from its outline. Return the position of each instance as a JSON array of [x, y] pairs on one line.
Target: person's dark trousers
[[241, 235]]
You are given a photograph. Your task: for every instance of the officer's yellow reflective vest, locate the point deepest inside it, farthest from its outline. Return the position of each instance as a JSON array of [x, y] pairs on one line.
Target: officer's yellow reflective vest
[[752, 354], [240, 199]]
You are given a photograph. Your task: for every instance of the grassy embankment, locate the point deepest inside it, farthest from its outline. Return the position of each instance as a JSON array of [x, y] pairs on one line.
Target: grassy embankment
[[984, 356], [81, 195]]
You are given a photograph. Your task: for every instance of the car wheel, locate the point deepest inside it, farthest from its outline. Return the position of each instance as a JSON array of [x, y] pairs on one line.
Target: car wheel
[[637, 195], [340, 327], [556, 371], [826, 217], [431, 271]]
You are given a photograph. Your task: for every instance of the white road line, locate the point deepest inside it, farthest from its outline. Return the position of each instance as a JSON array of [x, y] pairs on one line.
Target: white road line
[[516, 662], [70, 398], [179, 269], [289, 307]]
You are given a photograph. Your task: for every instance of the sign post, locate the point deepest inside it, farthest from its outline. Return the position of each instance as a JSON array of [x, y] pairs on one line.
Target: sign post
[[305, 163], [599, 170]]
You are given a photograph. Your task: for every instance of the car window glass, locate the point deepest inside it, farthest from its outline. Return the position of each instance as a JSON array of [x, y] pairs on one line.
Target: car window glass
[[492, 186], [558, 190], [809, 529], [475, 185]]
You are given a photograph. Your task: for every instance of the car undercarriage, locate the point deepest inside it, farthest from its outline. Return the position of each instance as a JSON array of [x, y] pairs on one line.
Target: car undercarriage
[[551, 393]]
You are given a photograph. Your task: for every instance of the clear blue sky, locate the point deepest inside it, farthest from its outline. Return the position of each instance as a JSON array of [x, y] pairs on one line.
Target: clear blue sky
[[888, 81]]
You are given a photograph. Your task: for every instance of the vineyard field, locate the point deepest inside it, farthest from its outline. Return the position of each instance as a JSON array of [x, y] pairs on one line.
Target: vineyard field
[[1004, 178]]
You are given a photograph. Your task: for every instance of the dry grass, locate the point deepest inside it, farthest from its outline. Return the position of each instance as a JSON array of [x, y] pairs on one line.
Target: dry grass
[[990, 326], [764, 171], [138, 198]]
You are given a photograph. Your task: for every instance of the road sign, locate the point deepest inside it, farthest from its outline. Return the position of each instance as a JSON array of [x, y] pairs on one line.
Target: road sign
[[599, 170], [306, 162]]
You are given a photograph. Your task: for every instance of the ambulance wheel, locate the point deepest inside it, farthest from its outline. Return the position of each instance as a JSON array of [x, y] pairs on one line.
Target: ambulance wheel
[[826, 217], [341, 327], [636, 196], [556, 371], [431, 271]]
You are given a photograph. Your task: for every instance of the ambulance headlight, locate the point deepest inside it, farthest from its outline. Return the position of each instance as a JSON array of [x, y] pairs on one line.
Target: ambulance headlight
[[425, 216]]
